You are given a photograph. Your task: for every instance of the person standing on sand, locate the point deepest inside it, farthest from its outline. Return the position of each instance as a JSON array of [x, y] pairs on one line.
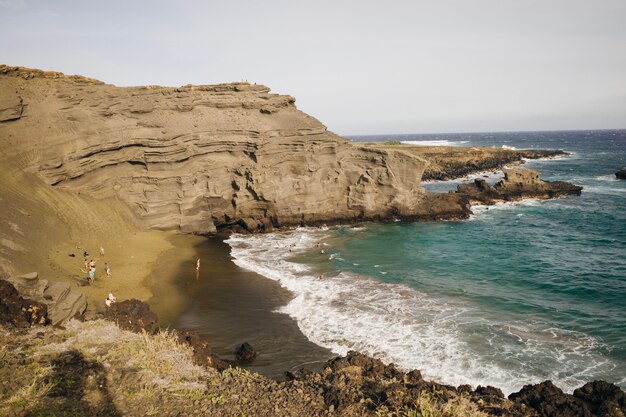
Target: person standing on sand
[[101, 251], [198, 265], [92, 275], [107, 269]]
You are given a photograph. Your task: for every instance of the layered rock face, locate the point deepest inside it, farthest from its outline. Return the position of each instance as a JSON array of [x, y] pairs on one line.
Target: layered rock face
[[198, 158]]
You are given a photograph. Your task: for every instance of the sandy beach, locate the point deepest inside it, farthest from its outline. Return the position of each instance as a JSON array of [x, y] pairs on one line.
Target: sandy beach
[[229, 305], [48, 230]]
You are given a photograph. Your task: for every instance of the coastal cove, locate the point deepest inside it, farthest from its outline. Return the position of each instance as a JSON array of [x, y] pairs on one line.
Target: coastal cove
[[483, 301], [367, 276]]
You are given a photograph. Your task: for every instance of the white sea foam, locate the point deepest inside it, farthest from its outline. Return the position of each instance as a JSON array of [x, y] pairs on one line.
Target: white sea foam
[[434, 142], [610, 178], [508, 147], [446, 339], [481, 210], [607, 190], [491, 176]]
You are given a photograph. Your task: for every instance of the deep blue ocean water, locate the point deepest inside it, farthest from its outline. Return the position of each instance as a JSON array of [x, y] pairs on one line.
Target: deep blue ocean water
[[520, 293]]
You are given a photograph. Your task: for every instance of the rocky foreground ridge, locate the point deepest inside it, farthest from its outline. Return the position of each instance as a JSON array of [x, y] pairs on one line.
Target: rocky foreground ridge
[[201, 158], [104, 368]]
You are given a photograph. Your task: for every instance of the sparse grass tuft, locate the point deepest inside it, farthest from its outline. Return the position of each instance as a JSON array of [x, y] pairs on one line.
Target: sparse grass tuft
[[462, 406], [238, 373], [427, 405], [30, 394]]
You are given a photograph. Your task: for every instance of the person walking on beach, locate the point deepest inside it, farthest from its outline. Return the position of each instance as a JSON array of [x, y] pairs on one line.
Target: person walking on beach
[[198, 265], [107, 269], [101, 251]]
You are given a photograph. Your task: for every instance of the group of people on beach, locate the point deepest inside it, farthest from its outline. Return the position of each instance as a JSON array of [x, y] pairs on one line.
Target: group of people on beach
[[90, 266], [90, 269]]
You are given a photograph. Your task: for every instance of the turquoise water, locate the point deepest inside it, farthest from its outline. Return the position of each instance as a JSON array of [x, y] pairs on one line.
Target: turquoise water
[[518, 294]]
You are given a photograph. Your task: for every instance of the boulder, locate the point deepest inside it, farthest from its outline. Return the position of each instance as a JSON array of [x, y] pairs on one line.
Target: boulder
[[244, 352], [18, 311], [133, 315], [202, 353], [621, 174]]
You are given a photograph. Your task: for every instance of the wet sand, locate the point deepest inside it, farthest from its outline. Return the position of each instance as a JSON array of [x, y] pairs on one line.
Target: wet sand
[[229, 305]]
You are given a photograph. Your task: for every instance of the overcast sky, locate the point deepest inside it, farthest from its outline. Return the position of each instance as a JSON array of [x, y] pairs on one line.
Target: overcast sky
[[361, 67]]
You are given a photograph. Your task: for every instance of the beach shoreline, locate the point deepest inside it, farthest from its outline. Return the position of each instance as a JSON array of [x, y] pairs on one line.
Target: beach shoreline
[[229, 305]]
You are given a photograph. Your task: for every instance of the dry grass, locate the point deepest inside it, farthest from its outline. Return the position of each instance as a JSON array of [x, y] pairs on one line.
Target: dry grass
[[426, 405], [30, 394], [160, 358]]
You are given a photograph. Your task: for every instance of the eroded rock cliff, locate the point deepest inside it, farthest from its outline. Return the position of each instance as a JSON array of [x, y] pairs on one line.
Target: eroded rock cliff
[[197, 158]]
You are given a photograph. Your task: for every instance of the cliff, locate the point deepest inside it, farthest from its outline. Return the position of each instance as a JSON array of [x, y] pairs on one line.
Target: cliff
[[198, 158]]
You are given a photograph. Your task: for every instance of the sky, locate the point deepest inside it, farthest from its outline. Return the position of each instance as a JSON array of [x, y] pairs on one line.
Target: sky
[[359, 66]]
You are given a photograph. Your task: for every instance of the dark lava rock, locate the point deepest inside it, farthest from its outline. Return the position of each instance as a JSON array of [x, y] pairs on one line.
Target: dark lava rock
[[133, 315], [360, 381], [20, 312], [602, 398], [517, 184], [549, 401], [202, 353], [245, 352], [621, 174]]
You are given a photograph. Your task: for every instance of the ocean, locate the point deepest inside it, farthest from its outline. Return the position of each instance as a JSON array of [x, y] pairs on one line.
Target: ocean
[[519, 293]]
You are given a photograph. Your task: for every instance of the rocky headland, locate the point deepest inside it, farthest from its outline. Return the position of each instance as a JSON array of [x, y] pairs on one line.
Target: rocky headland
[[84, 164], [197, 159]]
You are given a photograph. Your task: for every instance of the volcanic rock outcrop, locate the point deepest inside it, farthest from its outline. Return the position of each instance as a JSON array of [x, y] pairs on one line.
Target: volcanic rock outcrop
[[20, 312], [61, 302], [621, 174], [517, 184]]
